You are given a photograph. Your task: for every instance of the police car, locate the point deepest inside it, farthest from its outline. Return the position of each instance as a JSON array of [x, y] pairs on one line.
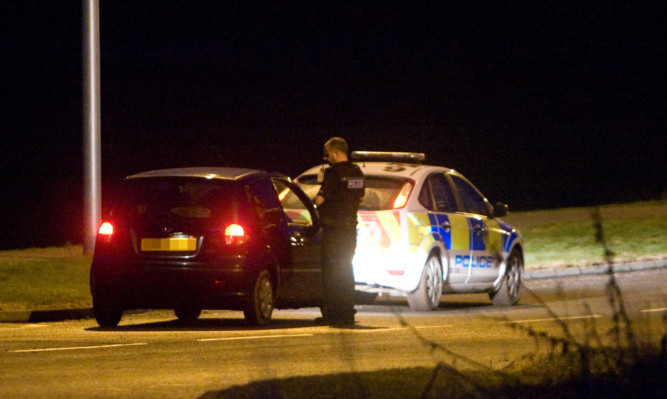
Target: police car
[[426, 230]]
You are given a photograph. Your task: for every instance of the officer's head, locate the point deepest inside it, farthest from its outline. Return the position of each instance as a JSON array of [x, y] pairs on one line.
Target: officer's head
[[335, 150]]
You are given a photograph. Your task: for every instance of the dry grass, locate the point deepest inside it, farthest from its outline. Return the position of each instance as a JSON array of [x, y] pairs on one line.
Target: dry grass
[[67, 251], [566, 237], [44, 278]]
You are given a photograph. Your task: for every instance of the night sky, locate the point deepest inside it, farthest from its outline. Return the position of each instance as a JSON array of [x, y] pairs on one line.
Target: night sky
[[560, 104]]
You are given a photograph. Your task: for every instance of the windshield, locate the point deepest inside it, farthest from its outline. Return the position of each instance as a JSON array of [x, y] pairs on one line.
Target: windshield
[[380, 194]]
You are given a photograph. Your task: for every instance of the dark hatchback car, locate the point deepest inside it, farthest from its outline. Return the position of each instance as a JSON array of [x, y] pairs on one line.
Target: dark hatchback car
[[205, 238]]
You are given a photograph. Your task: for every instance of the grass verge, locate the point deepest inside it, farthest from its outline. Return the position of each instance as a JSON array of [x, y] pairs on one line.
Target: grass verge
[[44, 278], [566, 237]]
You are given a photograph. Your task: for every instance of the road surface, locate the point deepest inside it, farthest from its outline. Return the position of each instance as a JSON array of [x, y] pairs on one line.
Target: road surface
[[151, 356]]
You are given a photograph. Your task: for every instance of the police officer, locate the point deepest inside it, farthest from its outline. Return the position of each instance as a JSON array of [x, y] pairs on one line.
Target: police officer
[[338, 202]]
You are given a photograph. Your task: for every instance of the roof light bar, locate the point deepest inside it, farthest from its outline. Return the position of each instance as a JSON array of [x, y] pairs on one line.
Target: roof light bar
[[410, 157]]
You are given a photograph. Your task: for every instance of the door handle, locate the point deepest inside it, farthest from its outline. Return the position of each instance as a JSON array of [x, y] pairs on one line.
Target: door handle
[[446, 226], [478, 229]]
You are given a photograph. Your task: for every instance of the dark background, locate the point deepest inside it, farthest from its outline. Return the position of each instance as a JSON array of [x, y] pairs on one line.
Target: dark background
[[541, 106]]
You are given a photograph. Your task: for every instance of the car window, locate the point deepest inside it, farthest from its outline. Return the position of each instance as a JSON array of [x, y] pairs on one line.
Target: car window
[[425, 197], [294, 208], [188, 198], [265, 193], [443, 197], [473, 201], [264, 198], [309, 185], [380, 192], [288, 199]]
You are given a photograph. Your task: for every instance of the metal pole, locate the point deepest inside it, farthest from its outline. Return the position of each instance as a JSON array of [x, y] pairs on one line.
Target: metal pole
[[91, 123]]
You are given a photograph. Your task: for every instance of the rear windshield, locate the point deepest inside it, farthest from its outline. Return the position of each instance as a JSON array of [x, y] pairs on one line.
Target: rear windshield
[[380, 193], [185, 197]]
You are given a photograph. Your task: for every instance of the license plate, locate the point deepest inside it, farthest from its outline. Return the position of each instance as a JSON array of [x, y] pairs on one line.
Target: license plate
[[169, 244]]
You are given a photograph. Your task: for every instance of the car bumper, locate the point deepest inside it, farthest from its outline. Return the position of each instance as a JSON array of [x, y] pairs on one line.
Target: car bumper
[[169, 285]]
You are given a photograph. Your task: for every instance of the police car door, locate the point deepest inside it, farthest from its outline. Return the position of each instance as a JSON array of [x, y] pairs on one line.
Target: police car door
[[484, 234], [452, 228]]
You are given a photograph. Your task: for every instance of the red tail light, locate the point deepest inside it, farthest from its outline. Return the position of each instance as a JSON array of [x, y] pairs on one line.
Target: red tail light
[[235, 234], [106, 229], [402, 197]]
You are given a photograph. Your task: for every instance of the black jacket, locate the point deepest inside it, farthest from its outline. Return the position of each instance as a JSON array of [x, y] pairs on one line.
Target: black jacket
[[342, 190]]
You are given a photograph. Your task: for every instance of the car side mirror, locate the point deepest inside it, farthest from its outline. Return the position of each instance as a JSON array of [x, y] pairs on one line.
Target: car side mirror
[[500, 210]]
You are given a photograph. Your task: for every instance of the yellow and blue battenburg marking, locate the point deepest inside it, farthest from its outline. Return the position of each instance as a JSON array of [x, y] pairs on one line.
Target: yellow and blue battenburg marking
[[450, 229], [457, 232]]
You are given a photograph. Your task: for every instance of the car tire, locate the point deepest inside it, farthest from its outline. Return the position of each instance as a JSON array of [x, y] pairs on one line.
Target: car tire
[[260, 307], [323, 311], [187, 314], [429, 291], [509, 292], [107, 315]]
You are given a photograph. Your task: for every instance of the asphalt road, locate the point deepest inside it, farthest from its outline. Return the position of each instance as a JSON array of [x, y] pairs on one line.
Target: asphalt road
[[150, 355]]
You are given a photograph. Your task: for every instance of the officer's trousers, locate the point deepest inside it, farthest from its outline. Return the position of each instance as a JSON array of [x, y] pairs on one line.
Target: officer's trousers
[[337, 251]]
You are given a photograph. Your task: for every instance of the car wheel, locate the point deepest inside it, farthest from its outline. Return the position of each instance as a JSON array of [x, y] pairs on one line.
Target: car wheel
[[187, 314], [509, 292], [260, 307], [323, 311], [107, 315], [428, 293]]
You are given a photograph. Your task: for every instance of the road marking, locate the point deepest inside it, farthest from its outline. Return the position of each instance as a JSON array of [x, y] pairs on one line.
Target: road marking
[[440, 326], [7, 326], [73, 348], [383, 329], [254, 337], [593, 316], [350, 330], [364, 331], [653, 310]]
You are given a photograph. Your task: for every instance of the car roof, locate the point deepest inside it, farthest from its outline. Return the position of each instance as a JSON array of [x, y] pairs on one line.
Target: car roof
[[389, 169], [220, 173]]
